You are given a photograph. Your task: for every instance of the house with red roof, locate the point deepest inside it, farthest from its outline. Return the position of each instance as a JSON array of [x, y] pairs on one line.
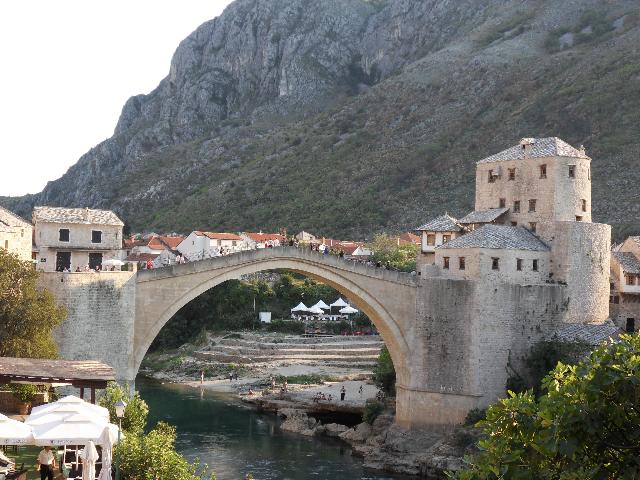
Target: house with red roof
[[200, 245], [262, 240]]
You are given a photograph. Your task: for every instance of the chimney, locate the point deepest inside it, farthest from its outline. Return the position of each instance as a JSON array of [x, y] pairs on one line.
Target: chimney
[[526, 144], [582, 150], [86, 214]]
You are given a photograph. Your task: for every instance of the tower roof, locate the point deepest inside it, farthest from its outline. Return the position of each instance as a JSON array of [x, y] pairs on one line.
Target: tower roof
[[443, 223], [498, 237], [540, 147]]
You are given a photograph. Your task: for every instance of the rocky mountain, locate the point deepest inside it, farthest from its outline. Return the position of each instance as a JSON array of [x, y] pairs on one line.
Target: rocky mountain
[[347, 117]]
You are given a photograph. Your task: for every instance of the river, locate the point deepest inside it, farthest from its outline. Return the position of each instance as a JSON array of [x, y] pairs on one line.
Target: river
[[234, 440]]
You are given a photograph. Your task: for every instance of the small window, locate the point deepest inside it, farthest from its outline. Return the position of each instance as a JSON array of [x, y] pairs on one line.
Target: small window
[[495, 263], [6, 244], [532, 226], [543, 171], [516, 206], [512, 174], [233, 243], [629, 279], [584, 205], [572, 171], [502, 203], [219, 243], [446, 238], [445, 263], [630, 327], [22, 232], [589, 173], [532, 205], [514, 224], [578, 218], [96, 236], [615, 299], [64, 235], [519, 264], [431, 239], [491, 177], [461, 263], [534, 266]]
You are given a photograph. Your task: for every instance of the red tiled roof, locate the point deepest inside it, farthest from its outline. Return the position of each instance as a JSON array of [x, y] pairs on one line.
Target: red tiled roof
[[141, 257], [263, 237], [219, 236], [163, 242], [410, 238]]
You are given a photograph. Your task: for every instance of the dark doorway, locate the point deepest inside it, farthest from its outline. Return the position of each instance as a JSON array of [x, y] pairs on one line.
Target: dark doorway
[[63, 260], [95, 259], [631, 325]]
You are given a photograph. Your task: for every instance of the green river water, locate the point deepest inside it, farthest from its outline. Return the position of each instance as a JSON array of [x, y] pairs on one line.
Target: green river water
[[234, 440]]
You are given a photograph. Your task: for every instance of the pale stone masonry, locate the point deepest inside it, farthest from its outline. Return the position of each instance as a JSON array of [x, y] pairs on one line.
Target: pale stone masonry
[[76, 237], [532, 225], [16, 234], [624, 301]]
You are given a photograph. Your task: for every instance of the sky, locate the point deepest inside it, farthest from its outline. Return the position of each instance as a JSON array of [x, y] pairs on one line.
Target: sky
[[68, 66]]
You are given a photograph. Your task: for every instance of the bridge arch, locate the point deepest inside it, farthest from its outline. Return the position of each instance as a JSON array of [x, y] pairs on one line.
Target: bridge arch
[[161, 293]]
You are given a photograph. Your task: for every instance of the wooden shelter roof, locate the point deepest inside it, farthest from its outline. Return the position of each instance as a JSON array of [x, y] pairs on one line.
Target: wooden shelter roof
[[79, 373]]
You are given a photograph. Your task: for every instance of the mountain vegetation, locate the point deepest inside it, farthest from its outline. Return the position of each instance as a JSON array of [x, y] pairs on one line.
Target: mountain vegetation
[[352, 117]]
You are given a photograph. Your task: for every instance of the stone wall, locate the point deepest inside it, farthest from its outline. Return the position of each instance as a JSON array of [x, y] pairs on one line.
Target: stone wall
[[100, 320], [17, 240], [581, 258]]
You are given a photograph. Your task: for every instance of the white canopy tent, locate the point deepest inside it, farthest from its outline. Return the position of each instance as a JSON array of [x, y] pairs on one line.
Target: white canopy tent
[[113, 262], [348, 310], [321, 305], [76, 429], [316, 311], [63, 408], [339, 303], [13, 432], [301, 307]]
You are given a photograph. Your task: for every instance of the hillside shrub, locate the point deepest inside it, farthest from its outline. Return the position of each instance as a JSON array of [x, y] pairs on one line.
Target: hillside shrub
[[384, 374], [372, 410]]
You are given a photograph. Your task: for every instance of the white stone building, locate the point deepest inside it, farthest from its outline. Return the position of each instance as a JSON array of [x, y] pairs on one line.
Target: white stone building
[[16, 234], [624, 301], [200, 245], [434, 233], [75, 237], [531, 224], [262, 240]]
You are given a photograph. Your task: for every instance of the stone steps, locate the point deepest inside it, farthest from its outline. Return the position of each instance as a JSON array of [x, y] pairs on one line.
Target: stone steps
[[294, 352]]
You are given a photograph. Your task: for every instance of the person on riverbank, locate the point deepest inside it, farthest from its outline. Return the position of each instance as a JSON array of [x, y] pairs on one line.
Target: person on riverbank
[[230, 376], [201, 377], [360, 391], [343, 392]]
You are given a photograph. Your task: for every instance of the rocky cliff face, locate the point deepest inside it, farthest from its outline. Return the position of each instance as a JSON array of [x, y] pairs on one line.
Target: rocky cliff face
[[347, 116]]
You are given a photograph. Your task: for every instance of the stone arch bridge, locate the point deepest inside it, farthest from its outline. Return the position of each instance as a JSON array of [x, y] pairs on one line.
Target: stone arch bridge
[[450, 340]]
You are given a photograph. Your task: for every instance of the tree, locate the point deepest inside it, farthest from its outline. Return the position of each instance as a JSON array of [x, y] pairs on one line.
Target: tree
[[389, 252], [587, 425], [28, 314], [135, 413], [384, 374]]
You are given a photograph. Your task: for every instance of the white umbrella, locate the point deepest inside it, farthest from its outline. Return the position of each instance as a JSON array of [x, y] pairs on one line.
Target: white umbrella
[[74, 429], [13, 432], [348, 310], [301, 307], [316, 311], [322, 305], [89, 456], [71, 402], [339, 303], [113, 262], [106, 441]]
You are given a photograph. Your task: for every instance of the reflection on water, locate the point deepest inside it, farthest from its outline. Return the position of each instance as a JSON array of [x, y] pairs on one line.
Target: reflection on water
[[234, 440]]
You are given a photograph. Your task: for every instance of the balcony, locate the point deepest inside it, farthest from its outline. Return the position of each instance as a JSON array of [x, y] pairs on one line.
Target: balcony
[[635, 289]]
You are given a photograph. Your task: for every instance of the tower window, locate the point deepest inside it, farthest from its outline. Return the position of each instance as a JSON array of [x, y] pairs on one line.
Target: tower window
[[584, 205], [491, 177], [543, 171], [572, 171], [534, 265], [431, 239], [446, 238], [96, 236], [532, 205], [495, 263], [461, 263], [516, 206], [445, 263], [512, 173], [519, 264], [6, 244], [630, 327], [64, 235], [503, 203]]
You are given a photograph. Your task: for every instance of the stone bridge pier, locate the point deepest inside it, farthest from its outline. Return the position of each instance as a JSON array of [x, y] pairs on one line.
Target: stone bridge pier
[[450, 340]]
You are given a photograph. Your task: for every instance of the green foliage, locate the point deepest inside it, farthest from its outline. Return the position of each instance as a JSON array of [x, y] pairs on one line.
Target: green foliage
[[474, 416], [398, 257], [586, 425], [384, 374], [25, 392], [510, 28], [306, 379], [28, 315], [543, 358], [592, 25], [153, 456], [372, 410], [135, 413]]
